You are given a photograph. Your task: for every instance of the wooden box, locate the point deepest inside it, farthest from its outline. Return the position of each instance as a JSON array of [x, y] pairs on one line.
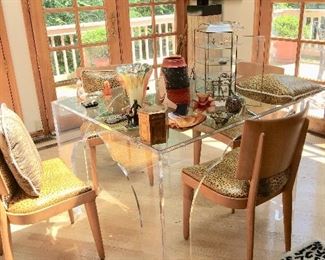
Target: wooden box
[[152, 127]]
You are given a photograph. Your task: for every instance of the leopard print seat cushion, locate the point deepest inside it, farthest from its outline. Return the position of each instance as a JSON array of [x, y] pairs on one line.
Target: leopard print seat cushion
[[57, 184], [93, 80], [276, 89], [222, 178], [234, 132]]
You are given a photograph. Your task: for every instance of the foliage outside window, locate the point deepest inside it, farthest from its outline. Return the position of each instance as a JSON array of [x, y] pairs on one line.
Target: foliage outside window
[[286, 26]]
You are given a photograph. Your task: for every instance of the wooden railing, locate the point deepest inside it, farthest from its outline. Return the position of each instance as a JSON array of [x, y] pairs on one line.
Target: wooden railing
[[142, 49]]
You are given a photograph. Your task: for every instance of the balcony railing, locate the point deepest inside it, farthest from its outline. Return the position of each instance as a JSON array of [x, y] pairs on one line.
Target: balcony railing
[[142, 49]]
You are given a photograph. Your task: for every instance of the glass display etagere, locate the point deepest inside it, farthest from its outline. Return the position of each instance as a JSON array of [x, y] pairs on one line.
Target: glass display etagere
[[215, 55]]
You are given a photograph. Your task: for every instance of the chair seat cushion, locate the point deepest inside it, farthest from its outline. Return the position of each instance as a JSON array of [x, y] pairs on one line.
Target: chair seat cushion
[[57, 184], [276, 89], [222, 177], [234, 132]]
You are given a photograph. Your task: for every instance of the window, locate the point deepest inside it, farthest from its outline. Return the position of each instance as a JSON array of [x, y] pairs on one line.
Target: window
[[153, 30], [295, 33], [91, 33], [96, 33], [80, 33]]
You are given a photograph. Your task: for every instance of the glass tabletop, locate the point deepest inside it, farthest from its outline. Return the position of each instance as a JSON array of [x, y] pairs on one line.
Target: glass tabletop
[[212, 123], [142, 181]]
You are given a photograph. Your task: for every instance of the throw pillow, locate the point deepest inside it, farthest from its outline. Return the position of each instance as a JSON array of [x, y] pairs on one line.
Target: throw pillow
[[93, 80], [20, 152], [276, 89]]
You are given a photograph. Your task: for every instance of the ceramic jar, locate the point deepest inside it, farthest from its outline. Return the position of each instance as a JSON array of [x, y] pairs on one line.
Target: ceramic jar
[[177, 82], [234, 104]]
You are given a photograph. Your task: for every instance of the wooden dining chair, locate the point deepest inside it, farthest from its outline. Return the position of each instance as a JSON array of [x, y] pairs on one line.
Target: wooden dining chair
[[90, 127], [233, 136], [264, 166], [55, 187], [61, 191]]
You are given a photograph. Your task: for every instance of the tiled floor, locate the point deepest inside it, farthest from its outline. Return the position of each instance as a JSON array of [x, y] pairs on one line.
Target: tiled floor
[[216, 234]]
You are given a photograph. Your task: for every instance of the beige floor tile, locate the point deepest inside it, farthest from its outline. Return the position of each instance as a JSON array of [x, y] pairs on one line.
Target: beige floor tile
[[216, 234]]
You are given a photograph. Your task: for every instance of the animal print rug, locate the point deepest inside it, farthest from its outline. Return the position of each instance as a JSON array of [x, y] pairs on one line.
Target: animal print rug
[[314, 250]]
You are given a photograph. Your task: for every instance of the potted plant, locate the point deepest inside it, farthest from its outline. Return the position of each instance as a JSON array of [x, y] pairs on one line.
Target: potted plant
[[286, 26], [96, 56]]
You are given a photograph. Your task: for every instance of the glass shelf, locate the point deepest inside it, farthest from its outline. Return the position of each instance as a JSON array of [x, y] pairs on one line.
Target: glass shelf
[[214, 47], [219, 62]]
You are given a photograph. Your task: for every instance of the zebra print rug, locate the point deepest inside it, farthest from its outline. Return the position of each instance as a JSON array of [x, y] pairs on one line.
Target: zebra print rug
[[314, 250]]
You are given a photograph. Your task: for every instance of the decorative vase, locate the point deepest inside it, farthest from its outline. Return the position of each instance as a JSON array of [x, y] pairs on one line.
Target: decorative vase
[[134, 79], [177, 82]]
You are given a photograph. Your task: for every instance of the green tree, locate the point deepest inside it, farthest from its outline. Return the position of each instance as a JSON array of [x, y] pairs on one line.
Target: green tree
[[286, 6], [287, 26], [54, 19]]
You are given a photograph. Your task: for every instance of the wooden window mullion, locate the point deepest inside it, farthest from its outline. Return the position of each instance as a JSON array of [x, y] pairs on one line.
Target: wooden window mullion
[[113, 31], [301, 18], [78, 31], [154, 38]]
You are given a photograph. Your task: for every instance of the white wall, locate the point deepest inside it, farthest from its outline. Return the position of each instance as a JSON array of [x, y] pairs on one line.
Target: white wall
[[22, 64], [241, 11]]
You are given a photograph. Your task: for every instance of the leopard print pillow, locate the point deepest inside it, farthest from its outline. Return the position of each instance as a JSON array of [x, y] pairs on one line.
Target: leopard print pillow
[[93, 80], [276, 89]]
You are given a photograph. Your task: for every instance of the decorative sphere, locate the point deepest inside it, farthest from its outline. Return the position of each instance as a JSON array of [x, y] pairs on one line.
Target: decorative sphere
[[233, 104]]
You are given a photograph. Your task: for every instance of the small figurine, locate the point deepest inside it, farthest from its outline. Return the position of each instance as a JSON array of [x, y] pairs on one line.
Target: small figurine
[[204, 103], [81, 93], [132, 115], [107, 90]]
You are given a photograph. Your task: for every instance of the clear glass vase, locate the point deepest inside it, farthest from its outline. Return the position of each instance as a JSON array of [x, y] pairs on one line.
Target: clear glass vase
[[134, 79]]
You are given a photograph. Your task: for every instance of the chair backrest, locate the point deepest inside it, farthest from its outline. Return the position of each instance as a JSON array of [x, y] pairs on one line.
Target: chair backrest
[[79, 70], [283, 138], [245, 69], [93, 79], [3, 187]]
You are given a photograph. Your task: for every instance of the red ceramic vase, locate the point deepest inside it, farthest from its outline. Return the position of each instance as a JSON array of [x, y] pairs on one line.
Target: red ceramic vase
[[177, 83]]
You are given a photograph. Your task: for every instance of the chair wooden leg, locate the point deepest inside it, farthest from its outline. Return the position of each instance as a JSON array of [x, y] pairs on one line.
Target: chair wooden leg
[[1, 250], [250, 221], [71, 216], [287, 218], [91, 210], [187, 203], [197, 148], [232, 211], [6, 237]]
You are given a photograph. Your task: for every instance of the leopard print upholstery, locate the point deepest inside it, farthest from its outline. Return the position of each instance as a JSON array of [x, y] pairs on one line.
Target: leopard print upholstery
[[276, 89], [93, 80], [8, 180], [234, 132], [222, 178], [57, 184]]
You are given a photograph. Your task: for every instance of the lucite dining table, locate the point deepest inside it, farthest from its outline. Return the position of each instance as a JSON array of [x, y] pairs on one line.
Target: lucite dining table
[[149, 193]]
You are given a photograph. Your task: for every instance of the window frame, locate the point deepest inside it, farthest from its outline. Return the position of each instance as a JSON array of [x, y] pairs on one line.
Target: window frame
[[120, 51], [265, 27]]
